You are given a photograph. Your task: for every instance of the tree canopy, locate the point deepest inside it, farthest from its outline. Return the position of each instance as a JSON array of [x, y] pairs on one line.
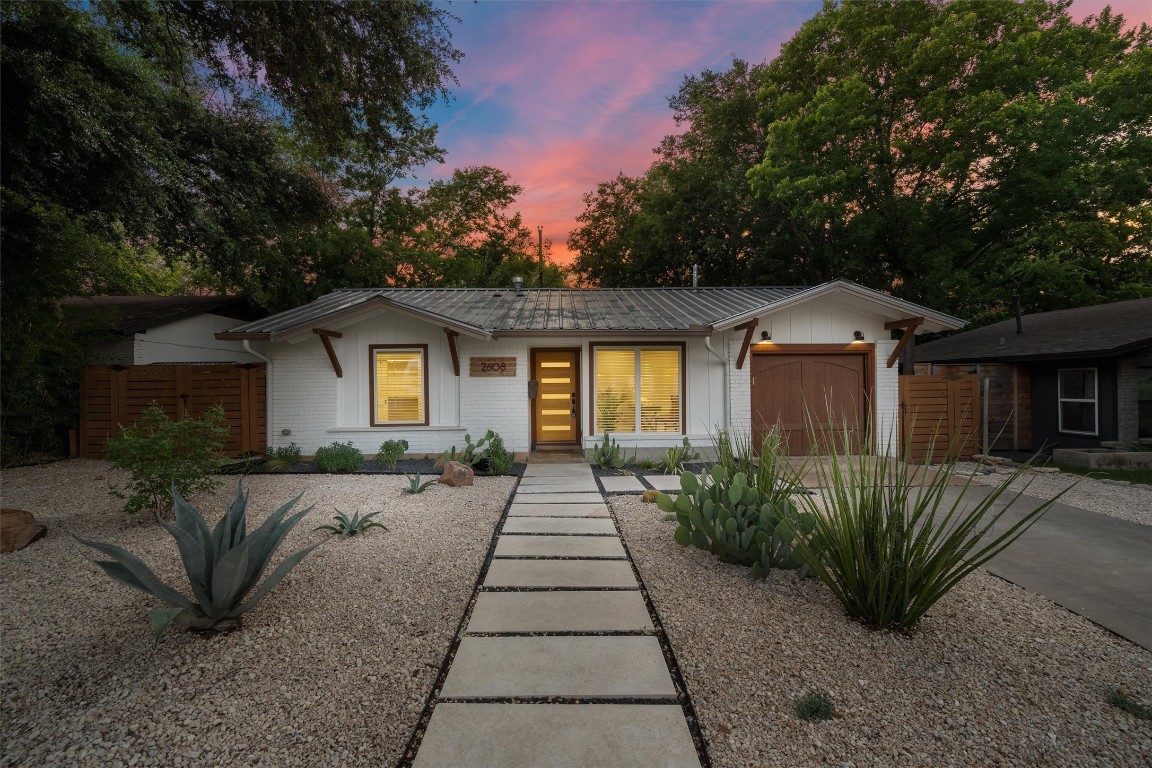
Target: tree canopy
[[950, 152]]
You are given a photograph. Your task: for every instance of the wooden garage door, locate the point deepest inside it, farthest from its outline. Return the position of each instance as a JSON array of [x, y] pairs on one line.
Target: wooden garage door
[[829, 390]]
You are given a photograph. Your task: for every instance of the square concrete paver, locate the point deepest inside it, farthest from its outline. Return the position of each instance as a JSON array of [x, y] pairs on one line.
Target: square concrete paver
[[560, 612], [580, 667], [557, 736], [666, 483], [622, 484], [559, 546], [579, 525], [528, 509], [574, 486], [557, 470], [560, 498], [561, 573]]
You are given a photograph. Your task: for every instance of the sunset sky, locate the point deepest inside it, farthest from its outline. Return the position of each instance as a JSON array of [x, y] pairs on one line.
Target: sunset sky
[[564, 95]]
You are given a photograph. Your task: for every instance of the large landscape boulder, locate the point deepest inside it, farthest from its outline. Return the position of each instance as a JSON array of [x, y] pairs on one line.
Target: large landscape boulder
[[18, 529], [457, 474]]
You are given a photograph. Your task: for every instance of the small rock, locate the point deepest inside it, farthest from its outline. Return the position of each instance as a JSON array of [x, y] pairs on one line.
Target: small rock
[[18, 529], [457, 474]]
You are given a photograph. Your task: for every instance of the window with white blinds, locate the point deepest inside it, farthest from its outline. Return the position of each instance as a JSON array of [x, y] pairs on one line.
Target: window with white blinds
[[399, 386], [637, 390]]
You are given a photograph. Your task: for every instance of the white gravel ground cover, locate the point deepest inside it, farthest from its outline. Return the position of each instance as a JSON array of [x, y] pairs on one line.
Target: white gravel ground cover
[[332, 668], [994, 675]]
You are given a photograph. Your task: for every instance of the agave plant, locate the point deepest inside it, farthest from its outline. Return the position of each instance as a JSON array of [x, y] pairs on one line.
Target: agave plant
[[223, 565], [415, 486], [350, 526]]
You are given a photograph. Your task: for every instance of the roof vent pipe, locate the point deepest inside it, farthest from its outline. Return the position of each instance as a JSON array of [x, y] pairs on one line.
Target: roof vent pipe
[[695, 277], [518, 285], [1019, 317]]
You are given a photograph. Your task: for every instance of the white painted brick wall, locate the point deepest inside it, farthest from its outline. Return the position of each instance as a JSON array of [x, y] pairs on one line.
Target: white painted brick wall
[[886, 399]]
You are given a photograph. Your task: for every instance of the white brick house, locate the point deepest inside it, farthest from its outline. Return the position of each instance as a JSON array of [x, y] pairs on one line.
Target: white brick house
[[563, 366]]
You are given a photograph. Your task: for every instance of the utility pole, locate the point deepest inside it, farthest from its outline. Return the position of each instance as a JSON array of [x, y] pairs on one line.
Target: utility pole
[[540, 236]]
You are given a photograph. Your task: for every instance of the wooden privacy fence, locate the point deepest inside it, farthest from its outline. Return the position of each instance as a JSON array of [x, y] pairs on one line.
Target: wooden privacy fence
[[113, 396], [938, 412]]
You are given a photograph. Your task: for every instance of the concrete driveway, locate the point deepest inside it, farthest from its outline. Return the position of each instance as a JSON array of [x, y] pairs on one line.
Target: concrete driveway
[[1095, 565]]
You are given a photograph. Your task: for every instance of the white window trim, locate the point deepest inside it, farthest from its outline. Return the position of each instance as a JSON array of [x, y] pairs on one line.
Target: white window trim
[[636, 350], [1060, 400]]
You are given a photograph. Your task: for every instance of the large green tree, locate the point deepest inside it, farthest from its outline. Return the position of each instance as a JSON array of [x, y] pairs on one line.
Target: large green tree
[[957, 152]]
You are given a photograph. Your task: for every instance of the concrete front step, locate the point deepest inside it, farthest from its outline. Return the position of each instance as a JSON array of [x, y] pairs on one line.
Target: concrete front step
[[561, 573], [561, 498], [559, 612], [528, 509], [559, 546], [557, 736], [577, 667], [583, 525]]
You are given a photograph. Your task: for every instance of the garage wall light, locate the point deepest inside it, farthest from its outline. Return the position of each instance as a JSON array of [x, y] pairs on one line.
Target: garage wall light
[[858, 335], [765, 336]]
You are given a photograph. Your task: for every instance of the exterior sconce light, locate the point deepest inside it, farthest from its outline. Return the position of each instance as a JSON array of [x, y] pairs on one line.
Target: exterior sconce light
[[858, 335], [765, 336]]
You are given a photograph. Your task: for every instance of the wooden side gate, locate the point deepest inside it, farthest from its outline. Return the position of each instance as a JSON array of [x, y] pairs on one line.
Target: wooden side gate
[[939, 412], [113, 396]]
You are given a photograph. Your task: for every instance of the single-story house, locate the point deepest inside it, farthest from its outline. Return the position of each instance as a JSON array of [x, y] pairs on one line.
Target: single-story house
[[1073, 378], [146, 330], [554, 367]]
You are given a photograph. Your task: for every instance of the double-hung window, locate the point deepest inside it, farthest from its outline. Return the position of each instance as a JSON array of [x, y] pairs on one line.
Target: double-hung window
[[637, 389], [399, 384], [1077, 400]]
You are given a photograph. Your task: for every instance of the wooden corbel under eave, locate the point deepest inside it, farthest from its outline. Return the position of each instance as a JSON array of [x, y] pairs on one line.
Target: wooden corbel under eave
[[909, 324], [749, 328], [326, 339], [451, 334]]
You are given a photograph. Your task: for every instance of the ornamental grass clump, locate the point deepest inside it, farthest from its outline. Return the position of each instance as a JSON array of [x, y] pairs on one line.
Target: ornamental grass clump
[[223, 565], [886, 540]]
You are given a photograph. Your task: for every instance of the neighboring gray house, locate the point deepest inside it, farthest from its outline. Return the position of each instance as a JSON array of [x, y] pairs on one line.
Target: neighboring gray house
[[1074, 378], [560, 367], [144, 330]]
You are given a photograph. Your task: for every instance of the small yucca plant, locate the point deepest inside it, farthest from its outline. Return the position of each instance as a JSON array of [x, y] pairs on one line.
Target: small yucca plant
[[415, 486], [223, 565], [351, 526]]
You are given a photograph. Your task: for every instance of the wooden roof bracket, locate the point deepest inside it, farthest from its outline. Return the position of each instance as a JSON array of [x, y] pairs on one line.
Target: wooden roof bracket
[[451, 334], [909, 325], [749, 328], [326, 339]]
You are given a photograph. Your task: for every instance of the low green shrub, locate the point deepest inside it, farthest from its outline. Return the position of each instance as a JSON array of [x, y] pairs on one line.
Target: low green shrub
[[814, 706], [391, 451], [161, 454], [500, 459], [222, 566], [889, 544], [352, 526], [675, 458], [282, 458], [415, 486], [735, 522], [339, 458]]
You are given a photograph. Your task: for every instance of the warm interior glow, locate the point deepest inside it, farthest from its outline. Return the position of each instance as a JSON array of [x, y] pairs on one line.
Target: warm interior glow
[[399, 386], [621, 373]]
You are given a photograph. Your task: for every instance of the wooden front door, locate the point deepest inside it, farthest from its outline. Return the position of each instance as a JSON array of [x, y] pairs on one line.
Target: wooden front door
[[555, 409], [818, 400]]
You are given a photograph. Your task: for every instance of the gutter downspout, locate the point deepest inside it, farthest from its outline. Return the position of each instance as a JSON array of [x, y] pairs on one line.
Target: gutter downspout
[[267, 390], [727, 384]]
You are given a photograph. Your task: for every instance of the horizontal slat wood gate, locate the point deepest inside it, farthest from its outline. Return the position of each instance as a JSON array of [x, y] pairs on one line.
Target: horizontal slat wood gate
[[113, 396], [937, 412]]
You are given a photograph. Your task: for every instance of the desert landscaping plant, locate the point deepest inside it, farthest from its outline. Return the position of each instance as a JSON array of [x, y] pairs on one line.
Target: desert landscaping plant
[[391, 451], [283, 458], [500, 459], [886, 540], [676, 457], [814, 706], [474, 453], [339, 458], [650, 496], [222, 565], [735, 522], [767, 466], [161, 454], [352, 526], [415, 486], [607, 455]]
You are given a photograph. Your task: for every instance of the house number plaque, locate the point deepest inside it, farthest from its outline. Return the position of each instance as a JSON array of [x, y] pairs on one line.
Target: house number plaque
[[492, 366]]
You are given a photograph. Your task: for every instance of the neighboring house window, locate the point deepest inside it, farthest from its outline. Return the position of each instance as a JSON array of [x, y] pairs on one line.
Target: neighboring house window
[[1077, 394], [399, 384], [637, 390]]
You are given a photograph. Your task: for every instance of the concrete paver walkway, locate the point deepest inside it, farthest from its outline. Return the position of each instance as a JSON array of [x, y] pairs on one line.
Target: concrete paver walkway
[[559, 665]]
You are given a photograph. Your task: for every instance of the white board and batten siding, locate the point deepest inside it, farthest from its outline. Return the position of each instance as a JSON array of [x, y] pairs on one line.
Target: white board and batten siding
[[307, 398]]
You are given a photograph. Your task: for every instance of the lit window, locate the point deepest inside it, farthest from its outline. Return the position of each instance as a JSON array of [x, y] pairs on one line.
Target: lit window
[[1077, 396], [637, 390], [399, 385]]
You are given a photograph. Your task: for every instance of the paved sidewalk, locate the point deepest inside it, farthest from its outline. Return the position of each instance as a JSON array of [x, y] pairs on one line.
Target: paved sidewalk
[[559, 664], [1095, 565]]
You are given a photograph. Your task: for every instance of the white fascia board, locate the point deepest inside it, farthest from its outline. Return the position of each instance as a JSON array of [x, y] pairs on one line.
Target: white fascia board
[[890, 307]]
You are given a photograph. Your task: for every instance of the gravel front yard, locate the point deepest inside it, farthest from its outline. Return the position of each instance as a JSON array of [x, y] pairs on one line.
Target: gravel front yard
[[994, 675], [333, 667]]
